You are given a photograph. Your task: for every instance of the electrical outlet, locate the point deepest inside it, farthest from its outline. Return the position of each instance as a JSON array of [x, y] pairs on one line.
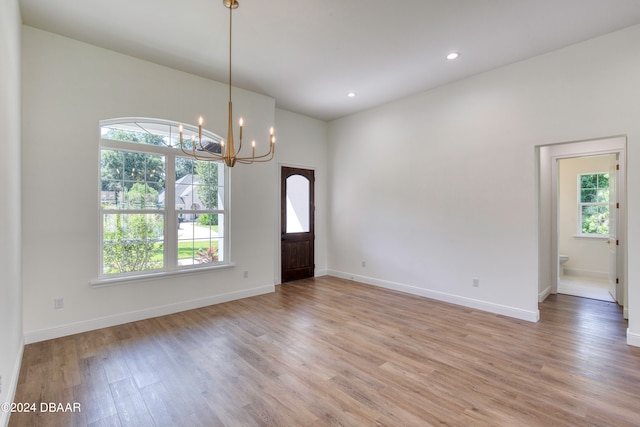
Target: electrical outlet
[[58, 303], [476, 282], [246, 274], [364, 263]]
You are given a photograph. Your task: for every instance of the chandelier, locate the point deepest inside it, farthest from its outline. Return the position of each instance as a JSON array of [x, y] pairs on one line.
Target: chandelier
[[225, 151]]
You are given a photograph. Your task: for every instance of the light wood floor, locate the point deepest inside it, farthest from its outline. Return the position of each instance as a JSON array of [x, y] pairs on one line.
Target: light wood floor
[[333, 352]]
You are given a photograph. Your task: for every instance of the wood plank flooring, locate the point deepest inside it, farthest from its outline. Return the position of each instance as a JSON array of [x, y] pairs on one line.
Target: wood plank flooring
[[330, 352]]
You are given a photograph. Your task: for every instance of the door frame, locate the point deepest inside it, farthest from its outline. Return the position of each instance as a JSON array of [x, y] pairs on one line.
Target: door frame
[[548, 156], [279, 219]]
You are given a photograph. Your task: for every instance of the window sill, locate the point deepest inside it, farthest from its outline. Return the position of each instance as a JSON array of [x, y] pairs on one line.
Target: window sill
[[113, 281], [594, 236]]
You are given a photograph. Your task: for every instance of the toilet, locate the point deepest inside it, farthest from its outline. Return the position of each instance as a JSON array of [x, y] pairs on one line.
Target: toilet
[[563, 259]]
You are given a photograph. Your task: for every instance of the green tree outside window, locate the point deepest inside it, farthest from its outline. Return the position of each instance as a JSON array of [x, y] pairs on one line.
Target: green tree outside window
[[594, 203]]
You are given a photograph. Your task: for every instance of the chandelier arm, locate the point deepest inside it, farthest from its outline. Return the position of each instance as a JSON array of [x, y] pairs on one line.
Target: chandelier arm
[[268, 153], [209, 151], [248, 161], [209, 154], [244, 161], [260, 158], [239, 146], [182, 149], [194, 154], [197, 155], [188, 153], [206, 157], [202, 147]]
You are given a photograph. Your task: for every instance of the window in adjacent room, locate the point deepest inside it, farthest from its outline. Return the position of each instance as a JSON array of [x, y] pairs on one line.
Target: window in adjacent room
[[160, 211], [593, 206]]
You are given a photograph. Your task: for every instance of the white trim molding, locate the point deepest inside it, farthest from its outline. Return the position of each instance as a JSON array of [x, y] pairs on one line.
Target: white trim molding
[[320, 273], [530, 316], [548, 155], [633, 339], [13, 385], [544, 294], [119, 319]]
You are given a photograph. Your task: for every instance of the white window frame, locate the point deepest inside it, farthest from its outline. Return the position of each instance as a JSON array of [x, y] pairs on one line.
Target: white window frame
[[171, 266], [581, 204]]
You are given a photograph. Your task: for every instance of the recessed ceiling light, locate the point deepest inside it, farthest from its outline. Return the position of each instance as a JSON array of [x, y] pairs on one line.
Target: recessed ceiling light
[[351, 94], [453, 55]]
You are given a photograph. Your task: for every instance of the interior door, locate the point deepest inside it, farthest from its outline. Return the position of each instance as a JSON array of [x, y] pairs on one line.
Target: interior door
[[615, 287], [297, 223]]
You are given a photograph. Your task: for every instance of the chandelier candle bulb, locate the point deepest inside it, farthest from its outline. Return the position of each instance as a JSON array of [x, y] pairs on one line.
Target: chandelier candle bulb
[[241, 121]]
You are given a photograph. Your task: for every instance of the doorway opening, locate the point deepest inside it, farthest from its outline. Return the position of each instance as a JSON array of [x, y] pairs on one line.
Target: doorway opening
[[582, 189], [586, 221]]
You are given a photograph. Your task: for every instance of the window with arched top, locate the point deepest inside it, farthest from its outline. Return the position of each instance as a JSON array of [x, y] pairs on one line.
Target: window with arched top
[[160, 211]]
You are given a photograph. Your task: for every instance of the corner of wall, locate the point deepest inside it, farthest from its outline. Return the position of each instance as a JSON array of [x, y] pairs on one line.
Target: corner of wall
[[544, 294], [11, 306], [13, 386], [516, 313]]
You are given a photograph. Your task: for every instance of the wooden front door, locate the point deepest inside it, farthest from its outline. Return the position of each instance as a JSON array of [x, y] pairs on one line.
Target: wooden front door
[[297, 223]]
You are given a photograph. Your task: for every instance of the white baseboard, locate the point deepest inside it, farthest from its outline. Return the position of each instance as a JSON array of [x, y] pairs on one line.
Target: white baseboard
[[320, 273], [531, 316], [119, 319], [13, 386], [633, 339], [544, 294]]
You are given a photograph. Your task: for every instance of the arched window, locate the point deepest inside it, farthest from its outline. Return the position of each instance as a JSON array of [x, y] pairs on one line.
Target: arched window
[[160, 210]]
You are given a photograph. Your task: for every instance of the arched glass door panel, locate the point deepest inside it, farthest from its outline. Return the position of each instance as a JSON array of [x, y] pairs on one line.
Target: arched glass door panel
[[298, 192]]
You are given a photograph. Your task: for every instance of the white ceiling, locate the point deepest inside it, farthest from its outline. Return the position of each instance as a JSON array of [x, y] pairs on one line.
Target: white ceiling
[[308, 54]]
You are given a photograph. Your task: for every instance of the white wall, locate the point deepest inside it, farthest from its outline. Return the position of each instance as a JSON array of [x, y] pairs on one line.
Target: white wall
[[10, 220], [68, 87], [439, 188], [587, 256], [302, 142]]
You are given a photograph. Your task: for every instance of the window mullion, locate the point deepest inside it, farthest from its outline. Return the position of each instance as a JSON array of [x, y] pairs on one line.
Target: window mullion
[[171, 219]]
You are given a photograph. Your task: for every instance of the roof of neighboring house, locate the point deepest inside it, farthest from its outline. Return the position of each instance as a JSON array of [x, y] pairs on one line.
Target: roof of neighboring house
[[185, 194]]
